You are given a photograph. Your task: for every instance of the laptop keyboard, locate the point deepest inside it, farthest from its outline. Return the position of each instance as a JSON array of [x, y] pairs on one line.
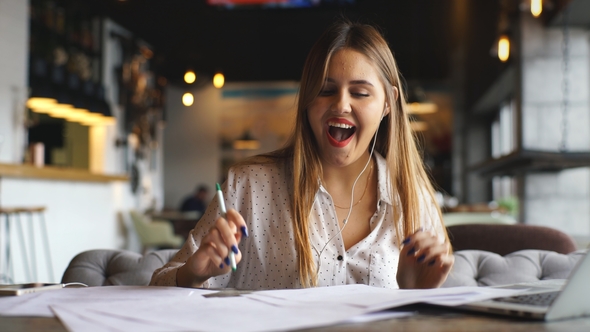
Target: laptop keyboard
[[541, 299]]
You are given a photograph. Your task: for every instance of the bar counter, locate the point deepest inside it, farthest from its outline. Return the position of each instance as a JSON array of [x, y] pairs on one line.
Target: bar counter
[[81, 213], [55, 173]]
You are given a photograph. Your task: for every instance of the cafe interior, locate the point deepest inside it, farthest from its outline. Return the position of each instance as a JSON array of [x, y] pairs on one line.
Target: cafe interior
[[112, 112]]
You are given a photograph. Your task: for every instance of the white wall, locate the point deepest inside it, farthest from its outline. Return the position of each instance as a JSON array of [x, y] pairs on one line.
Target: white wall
[[191, 143], [192, 140], [14, 31]]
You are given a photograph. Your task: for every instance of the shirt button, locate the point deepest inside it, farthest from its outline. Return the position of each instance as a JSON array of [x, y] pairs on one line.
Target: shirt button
[[340, 257]]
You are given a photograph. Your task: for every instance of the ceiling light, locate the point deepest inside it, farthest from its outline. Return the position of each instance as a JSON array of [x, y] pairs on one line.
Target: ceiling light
[[99, 121], [77, 115], [36, 103], [188, 99], [536, 7], [503, 48], [190, 77], [218, 80], [60, 110]]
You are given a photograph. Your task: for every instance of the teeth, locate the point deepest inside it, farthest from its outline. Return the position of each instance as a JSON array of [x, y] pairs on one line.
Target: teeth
[[339, 125]]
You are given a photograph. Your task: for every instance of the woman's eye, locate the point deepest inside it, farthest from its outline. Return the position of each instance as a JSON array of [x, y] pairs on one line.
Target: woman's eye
[[359, 94], [326, 92]]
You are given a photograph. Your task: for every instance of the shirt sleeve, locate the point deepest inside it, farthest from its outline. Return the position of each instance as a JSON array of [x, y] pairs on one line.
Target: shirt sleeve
[[166, 275]]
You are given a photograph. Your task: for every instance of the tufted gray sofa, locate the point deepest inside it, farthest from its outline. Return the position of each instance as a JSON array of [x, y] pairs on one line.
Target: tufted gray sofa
[[472, 267], [484, 268], [103, 267]]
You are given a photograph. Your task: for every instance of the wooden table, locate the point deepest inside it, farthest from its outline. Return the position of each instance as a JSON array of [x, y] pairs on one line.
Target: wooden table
[[428, 319]]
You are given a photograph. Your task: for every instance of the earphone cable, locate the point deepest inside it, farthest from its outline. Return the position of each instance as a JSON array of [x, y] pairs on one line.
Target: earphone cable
[[345, 221]]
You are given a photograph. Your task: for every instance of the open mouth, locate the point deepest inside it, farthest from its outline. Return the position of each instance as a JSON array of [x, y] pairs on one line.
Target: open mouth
[[340, 133]]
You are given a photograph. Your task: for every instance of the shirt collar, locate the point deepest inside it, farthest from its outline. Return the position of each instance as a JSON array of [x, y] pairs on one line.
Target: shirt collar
[[382, 180]]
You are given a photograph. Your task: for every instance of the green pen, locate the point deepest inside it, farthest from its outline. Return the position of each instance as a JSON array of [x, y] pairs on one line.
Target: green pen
[[232, 257]]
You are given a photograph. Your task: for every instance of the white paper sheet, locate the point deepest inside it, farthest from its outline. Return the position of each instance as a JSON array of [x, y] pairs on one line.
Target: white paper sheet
[[126, 308], [37, 304], [375, 299], [210, 314], [86, 318]]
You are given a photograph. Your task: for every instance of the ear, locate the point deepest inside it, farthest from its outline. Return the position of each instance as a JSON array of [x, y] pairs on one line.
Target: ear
[[387, 108]]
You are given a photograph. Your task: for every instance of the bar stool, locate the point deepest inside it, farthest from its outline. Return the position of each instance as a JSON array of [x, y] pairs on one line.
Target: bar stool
[[12, 215]]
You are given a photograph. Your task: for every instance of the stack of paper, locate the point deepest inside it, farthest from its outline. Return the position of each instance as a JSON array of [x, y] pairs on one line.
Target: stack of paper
[[126, 308]]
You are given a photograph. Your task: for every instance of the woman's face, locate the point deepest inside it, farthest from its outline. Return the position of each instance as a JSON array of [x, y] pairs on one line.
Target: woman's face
[[347, 112]]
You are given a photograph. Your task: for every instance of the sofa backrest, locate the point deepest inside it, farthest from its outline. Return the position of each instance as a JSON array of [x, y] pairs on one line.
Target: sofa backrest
[[104, 267], [472, 267], [484, 268], [504, 239]]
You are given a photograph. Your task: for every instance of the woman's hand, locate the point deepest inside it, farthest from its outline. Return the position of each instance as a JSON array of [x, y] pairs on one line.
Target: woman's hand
[[212, 257], [424, 261]]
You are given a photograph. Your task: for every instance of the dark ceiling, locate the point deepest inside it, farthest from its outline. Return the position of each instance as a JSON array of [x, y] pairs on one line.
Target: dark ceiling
[[262, 44]]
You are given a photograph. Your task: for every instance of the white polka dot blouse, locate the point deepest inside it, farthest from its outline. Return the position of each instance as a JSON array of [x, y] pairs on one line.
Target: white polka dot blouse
[[261, 194]]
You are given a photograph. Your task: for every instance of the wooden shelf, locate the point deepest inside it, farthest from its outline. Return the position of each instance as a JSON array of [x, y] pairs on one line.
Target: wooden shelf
[[56, 173], [526, 161]]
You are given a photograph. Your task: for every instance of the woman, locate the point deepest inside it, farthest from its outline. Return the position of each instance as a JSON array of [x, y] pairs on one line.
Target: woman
[[346, 201]]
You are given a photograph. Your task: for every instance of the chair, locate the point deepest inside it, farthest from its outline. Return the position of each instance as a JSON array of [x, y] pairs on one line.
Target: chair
[[157, 234], [504, 239], [12, 216]]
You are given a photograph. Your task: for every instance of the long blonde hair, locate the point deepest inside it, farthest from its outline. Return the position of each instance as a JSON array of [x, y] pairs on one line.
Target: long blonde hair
[[395, 140]]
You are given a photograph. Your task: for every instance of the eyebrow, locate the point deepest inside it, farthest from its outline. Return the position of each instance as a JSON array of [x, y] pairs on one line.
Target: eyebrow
[[354, 82]]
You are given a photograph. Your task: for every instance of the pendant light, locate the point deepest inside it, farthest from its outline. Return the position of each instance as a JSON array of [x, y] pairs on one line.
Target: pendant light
[[246, 142], [536, 7], [190, 77], [503, 48], [188, 99], [218, 80]]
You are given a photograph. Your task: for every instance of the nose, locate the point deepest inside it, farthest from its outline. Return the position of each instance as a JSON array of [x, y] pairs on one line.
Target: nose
[[341, 103]]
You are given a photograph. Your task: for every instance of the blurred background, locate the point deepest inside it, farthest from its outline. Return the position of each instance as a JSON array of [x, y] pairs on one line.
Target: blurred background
[[114, 114]]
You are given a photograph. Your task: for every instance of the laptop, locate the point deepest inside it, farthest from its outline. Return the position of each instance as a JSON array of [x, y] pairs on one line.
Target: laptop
[[21, 289], [545, 301]]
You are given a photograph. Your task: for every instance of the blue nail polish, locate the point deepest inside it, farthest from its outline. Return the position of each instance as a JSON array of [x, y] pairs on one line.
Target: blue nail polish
[[234, 248], [244, 231], [412, 251], [431, 262], [227, 262], [221, 266], [407, 240], [421, 258]]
